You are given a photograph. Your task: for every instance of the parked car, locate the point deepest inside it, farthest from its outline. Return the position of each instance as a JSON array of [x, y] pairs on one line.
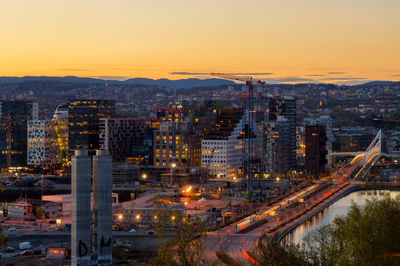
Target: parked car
[[10, 249], [133, 230], [26, 252], [11, 229], [25, 245], [150, 232]]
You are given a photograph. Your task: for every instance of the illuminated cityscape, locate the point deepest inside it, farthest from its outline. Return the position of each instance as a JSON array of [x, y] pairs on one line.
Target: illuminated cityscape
[[164, 136]]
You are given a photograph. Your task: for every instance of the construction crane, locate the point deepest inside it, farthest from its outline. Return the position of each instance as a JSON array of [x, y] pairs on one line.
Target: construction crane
[[8, 139], [248, 105]]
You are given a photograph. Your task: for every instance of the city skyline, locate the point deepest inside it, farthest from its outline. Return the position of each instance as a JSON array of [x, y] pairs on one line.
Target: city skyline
[[290, 41]]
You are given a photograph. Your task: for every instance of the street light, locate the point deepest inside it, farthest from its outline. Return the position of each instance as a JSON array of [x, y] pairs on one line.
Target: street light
[[120, 217], [144, 175], [137, 217], [173, 165]]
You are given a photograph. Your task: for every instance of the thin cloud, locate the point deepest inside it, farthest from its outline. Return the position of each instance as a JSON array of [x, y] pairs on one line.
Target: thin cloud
[[73, 69], [288, 79], [344, 78], [352, 82], [315, 75], [397, 75], [336, 73], [120, 78], [252, 74], [188, 73], [202, 73]]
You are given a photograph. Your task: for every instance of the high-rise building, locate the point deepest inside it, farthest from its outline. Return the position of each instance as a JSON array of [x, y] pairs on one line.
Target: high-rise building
[[222, 147], [286, 107], [102, 207], [13, 132], [80, 212], [276, 146], [202, 117], [327, 122], [300, 146], [61, 125], [83, 119], [128, 139], [91, 229], [42, 143], [170, 144], [315, 160], [199, 116]]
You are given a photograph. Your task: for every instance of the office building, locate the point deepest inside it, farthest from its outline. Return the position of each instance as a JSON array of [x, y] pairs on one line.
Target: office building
[[286, 107], [315, 160], [128, 139], [327, 122], [61, 126], [300, 146], [43, 148], [83, 119], [170, 144], [276, 147], [353, 142], [222, 147], [13, 129]]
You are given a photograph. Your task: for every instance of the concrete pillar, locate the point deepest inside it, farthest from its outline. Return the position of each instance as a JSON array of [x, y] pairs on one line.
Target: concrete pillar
[[102, 207], [80, 211]]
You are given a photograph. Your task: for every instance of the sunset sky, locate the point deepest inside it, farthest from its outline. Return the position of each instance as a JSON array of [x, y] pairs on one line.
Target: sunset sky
[[349, 41]]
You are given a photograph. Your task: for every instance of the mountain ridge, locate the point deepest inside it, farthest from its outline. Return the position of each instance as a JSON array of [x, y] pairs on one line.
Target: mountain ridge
[[162, 82], [180, 83]]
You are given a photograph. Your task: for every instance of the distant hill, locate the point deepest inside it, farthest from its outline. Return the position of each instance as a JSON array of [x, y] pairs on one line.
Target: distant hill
[[71, 79], [380, 83], [179, 84]]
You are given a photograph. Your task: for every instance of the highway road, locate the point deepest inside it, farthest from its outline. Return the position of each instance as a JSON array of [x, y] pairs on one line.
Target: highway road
[[233, 243]]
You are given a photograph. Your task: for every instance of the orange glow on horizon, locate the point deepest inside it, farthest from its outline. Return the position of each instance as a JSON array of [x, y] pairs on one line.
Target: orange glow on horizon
[[297, 41]]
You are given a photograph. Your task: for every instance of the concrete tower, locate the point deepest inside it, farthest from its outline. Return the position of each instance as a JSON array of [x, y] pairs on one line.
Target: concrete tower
[[102, 207], [80, 213]]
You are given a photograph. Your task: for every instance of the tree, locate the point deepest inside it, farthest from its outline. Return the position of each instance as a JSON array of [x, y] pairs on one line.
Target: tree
[[185, 246], [367, 235], [270, 253]]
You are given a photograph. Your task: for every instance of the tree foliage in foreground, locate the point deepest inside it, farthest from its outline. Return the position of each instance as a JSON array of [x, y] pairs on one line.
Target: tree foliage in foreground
[[367, 235], [184, 247], [272, 253]]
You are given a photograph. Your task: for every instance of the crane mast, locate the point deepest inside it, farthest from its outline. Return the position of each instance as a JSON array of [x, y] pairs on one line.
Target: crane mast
[[8, 139], [248, 106]]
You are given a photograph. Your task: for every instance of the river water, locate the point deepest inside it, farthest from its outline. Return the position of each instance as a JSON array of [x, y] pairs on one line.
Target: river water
[[340, 207]]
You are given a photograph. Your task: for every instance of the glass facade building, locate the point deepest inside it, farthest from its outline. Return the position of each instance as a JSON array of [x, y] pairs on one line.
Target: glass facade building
[[83, 119]]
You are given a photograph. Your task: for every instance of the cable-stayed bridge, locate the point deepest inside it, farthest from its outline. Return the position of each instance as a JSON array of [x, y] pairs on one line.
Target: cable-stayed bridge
[[363, 161]]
